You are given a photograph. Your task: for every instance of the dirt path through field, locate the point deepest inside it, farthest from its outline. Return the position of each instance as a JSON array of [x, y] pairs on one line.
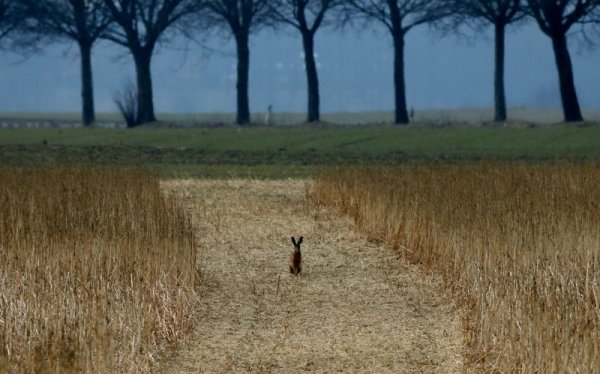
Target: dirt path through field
[[355, 307]]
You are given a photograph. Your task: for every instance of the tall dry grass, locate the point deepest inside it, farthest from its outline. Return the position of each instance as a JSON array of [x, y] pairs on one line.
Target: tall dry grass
[[97, 270], [519, 246]]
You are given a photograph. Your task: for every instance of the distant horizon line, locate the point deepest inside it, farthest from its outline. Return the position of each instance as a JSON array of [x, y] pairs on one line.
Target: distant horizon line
[[290, 112]]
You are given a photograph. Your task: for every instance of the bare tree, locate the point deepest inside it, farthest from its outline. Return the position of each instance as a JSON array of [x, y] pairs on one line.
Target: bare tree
[[81, 21], [140, 26], [240, 18], [499, 13], [398, 17], [555, 18], [306, 16]]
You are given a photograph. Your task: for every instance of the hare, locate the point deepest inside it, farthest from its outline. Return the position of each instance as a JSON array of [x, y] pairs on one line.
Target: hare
[[296, 257]]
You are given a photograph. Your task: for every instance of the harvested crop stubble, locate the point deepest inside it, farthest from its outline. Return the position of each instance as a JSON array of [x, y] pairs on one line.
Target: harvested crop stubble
[[97, 270], [518, 244]]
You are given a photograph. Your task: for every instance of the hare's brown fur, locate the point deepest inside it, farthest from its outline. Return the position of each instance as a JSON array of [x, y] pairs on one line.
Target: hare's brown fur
[[296, 257]]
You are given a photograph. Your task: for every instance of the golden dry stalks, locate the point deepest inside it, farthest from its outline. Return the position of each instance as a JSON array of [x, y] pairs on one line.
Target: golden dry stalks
[[518, 244], [97, 270]]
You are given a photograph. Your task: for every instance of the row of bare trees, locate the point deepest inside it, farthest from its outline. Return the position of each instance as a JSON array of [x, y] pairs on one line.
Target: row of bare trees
[[141, 25], [555, 18]]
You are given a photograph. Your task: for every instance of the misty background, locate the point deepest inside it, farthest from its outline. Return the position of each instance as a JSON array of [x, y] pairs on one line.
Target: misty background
[[355, 73]]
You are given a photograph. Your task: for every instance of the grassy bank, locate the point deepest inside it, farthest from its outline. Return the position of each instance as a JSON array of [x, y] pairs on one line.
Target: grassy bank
[[97, 270], [517, 244], [372, 141], [467, 116], [290, 151]]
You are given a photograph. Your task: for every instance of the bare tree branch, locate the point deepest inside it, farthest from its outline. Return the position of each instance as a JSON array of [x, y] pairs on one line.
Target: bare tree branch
[[77, 20], [12, 17]]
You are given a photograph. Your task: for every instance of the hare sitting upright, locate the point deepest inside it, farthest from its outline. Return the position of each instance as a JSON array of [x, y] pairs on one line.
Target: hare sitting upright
[[296, 257]]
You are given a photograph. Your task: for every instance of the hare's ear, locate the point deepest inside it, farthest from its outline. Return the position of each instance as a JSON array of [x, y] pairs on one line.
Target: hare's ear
[[293, 241], [300, 240]]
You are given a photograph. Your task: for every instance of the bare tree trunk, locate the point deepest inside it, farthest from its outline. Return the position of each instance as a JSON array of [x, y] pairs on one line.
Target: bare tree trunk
[[312, 77], [499, 93], [571, 109], [87, 85], [144, 84], [401, 115], [243, 67]]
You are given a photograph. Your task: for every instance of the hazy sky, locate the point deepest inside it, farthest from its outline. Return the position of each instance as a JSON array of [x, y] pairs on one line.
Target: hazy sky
[[355, 71]]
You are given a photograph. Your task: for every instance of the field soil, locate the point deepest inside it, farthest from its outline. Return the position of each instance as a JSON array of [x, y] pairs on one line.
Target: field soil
[[356, 306]]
